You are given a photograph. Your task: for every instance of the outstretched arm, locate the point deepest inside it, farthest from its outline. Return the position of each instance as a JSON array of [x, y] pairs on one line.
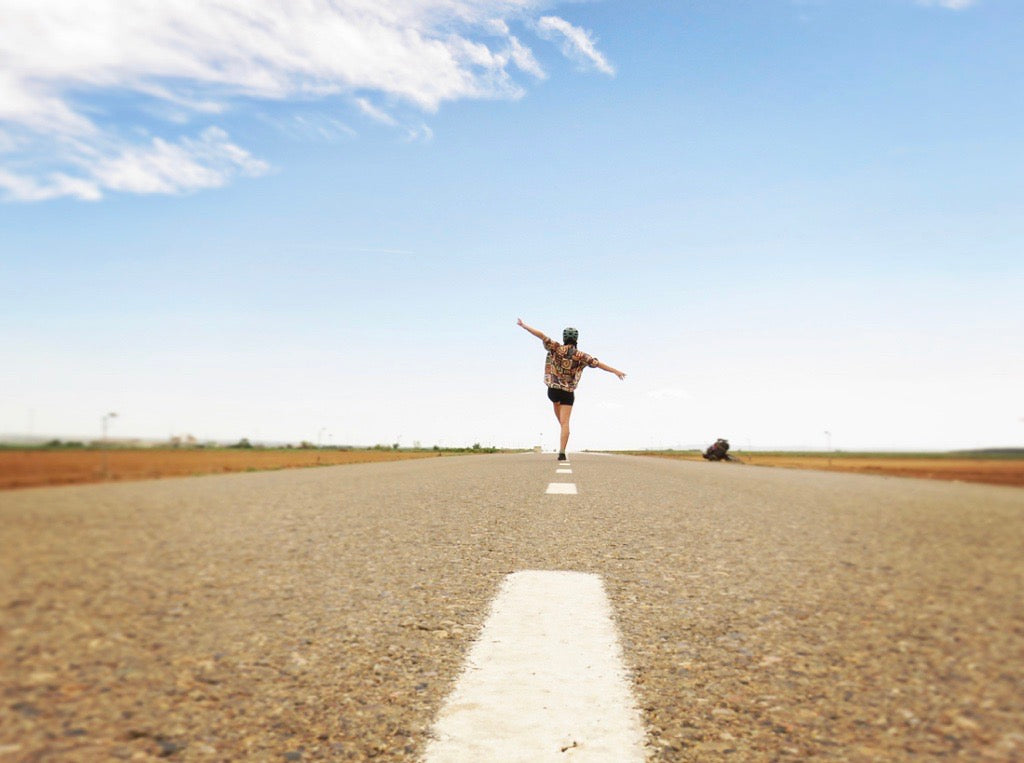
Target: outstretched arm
[[609, 369], [539, 334]]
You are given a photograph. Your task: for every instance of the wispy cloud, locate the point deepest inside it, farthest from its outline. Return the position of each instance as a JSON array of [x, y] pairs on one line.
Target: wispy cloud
[[421, 133], [577, 43], [374, 113], [316, 127], [518, 53], [162, 167], [119, 95], [159, 166], [54, 186], [953, 5]]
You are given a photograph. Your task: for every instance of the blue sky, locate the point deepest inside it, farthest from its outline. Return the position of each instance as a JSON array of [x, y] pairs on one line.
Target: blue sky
[[779, 218]]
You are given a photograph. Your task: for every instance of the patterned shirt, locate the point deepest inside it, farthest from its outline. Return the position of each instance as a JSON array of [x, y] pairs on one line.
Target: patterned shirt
[[562, 371]]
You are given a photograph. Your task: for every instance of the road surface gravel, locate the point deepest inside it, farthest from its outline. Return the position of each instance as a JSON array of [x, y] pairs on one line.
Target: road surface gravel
[[324, 614]]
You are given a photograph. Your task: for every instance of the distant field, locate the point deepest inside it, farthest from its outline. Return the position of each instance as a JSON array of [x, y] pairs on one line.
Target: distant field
[[994, 469], [37, 466]]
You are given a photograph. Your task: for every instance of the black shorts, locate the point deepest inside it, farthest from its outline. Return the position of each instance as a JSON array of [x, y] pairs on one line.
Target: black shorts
[[561, 396]]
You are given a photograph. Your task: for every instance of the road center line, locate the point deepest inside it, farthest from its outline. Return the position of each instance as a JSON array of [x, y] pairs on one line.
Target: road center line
[[544, 681], [562, 488], [563, 471]]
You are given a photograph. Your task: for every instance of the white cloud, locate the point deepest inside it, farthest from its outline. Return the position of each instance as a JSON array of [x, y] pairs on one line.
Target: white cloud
[[374, 113], [176, 61], [54, 186], [577, 43], [33, 105], [518, 53], [208, 161], [523, 58], [188, 165]]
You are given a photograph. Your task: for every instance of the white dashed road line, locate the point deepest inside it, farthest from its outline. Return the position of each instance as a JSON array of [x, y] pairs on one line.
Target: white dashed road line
[[562, 488], [544, 681]]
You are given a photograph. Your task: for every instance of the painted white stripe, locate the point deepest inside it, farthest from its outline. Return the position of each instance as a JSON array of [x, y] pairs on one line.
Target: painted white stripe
[[562, 488], [563, 471], [543, 682]]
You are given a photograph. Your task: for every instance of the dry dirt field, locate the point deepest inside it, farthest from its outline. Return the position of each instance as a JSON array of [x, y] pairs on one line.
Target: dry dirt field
[[29, 468], [992, 471]]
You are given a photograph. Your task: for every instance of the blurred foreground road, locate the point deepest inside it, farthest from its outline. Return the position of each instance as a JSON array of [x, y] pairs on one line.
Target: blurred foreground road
[[324, 614]]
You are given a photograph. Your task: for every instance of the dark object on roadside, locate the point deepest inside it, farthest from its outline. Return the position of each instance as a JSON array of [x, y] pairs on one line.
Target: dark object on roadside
[[719, 451]]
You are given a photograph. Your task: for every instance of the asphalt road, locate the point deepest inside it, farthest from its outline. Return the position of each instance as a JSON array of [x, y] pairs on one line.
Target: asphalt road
[[324, 613]]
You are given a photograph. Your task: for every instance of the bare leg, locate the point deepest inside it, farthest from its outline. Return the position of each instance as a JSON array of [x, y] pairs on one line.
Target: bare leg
[[564, 413], [558, 414]]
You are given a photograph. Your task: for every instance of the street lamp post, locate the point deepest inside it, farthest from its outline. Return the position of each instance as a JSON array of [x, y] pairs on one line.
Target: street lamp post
[[104, 421]]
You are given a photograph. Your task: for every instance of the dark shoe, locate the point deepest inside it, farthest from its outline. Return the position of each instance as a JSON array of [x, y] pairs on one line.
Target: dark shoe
[[561, 457]]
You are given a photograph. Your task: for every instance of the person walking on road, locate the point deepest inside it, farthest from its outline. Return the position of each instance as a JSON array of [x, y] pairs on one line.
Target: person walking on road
[[562, 370]]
